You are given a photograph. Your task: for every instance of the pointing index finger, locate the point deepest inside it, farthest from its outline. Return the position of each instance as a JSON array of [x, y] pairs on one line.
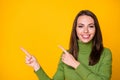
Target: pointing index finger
[[63, 49], [26, 52]]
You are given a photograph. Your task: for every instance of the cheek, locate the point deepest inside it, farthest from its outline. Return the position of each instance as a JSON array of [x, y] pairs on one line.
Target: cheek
[[93, 32], [78, 31]]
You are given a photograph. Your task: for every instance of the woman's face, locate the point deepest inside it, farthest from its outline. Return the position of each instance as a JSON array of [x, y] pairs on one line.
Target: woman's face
[[85, 28]]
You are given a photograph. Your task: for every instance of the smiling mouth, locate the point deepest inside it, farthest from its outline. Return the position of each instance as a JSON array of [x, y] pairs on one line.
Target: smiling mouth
[[85, 36]]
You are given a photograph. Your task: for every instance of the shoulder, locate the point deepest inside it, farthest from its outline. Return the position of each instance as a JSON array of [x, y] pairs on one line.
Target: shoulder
[[106, 51], [106, 54]]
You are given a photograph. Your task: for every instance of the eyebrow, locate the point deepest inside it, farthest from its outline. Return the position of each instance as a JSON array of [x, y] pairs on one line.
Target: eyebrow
[[91, 24], [83, 24]]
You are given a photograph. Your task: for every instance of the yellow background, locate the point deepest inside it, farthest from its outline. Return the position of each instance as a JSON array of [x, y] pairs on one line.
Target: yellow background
[[41, 25]]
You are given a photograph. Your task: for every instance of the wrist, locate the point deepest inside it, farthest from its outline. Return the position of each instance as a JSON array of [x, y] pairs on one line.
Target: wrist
[[76, 64], [36, 67]]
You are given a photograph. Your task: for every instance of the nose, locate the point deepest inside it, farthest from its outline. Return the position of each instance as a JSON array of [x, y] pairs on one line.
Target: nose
[[86, 30]]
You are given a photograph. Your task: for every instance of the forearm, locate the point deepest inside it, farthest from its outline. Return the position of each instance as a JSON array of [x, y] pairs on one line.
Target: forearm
[[41, 74], [88, 74]]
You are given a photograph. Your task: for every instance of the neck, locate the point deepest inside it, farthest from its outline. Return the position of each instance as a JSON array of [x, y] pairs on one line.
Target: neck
[[84, 47]]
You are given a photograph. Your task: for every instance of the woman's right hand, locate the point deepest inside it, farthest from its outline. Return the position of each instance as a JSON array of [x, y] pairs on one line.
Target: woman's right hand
[[31, 60]]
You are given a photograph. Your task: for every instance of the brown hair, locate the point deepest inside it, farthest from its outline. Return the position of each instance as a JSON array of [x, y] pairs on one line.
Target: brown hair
[[97, 45]]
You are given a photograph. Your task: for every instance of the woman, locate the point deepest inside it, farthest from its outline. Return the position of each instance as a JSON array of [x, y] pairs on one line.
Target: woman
[[86, 58]]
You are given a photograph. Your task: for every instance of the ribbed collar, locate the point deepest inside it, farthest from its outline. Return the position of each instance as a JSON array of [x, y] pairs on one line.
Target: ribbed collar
[[84, 48]]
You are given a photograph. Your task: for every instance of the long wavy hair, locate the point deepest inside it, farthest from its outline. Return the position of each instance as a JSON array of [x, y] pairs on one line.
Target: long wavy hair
[[97, 45]]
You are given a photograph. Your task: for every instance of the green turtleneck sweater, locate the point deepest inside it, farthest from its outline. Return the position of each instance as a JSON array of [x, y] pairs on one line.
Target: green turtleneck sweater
[[100, 71]]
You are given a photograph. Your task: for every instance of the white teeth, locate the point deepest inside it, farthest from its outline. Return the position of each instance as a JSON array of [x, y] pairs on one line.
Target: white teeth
[[85, 36]]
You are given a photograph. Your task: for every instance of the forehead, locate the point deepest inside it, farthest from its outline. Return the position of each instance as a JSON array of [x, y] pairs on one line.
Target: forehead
[[84, 19]]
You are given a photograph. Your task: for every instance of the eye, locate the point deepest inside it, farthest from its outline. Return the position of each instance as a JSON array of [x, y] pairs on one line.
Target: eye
[[91, 26], [80, 26]]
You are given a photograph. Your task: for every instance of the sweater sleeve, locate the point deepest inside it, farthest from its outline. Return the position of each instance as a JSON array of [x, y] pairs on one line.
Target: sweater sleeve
[[42, 75], [105, 68], [59, 75]]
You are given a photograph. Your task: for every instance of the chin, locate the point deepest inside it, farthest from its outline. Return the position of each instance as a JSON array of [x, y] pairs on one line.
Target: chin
[[86, 41]]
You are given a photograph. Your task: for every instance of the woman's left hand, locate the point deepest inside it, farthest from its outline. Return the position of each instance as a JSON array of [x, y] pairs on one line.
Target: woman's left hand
[[68, 59]]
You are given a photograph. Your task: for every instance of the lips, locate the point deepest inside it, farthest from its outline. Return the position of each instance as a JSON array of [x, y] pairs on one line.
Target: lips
[[85, 36]]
